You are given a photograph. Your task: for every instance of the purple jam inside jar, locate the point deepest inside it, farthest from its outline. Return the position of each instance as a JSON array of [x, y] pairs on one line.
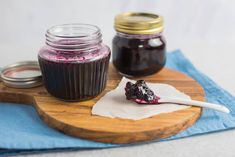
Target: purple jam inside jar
[[138, 48], [74, 62], [138, 55]]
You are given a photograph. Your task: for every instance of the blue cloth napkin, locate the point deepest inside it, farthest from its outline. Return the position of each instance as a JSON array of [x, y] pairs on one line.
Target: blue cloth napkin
[[22, 131]]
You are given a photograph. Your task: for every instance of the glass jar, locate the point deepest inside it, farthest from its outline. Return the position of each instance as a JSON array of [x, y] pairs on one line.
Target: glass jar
[[138, 48], [74, 62]]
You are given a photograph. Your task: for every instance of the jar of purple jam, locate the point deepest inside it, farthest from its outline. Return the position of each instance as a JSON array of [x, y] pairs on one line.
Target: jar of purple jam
[[74, 62], [138, 48]]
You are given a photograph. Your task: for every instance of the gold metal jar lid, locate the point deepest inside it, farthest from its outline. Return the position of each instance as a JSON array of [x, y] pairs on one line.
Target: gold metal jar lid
[[138, 23]]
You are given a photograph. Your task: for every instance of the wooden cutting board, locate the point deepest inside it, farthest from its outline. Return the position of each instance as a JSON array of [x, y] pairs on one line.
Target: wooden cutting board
[[75, 118]]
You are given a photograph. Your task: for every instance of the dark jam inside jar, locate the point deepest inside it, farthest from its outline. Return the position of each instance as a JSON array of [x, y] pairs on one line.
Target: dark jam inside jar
[[138, 47], [74, 64], [138, 55]]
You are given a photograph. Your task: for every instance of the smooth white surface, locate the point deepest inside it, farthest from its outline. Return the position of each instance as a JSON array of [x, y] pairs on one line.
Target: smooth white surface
[[114, 104], [213, 145], [203, 30]]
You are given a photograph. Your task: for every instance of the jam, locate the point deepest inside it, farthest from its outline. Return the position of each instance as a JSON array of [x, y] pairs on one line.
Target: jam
[[138, 47], [74, 67], [138, 56], [140, 93]]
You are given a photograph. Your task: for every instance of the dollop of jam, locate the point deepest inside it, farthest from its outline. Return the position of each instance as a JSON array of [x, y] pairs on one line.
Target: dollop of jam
[[140, 93]]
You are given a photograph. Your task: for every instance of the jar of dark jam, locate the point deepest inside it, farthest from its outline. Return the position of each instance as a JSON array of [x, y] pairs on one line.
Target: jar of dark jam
[[74, 62], [138, 47]]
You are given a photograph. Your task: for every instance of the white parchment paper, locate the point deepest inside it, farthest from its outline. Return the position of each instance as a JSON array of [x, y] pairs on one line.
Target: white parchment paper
[[115, 105]]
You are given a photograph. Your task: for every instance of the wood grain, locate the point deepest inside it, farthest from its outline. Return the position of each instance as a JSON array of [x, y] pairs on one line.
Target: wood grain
[[75, 119]]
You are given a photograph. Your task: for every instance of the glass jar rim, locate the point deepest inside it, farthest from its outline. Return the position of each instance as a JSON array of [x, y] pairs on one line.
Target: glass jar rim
[[54, 30], [138, 36], [75, 36]]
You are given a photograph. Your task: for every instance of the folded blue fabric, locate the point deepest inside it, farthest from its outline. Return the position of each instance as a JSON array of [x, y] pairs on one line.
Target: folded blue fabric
[[22, 131]]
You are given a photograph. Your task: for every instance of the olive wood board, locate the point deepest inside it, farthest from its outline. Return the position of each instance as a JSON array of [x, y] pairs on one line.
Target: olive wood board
[[75, 119]]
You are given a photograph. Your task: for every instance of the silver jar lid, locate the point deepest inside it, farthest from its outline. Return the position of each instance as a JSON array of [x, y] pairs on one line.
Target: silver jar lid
[[25, 74]]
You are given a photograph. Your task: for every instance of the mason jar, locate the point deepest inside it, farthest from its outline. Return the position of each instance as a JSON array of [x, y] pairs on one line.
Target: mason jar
[[74, 62], [139, 47]]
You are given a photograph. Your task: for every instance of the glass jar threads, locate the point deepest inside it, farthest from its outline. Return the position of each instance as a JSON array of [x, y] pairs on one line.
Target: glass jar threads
[[138, 47], [74, 62]]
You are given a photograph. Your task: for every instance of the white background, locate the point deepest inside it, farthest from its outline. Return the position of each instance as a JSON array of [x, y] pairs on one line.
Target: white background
[[204, 30]]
